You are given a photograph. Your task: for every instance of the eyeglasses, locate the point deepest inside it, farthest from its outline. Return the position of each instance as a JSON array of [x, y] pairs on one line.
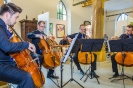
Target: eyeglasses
[[128, 30], [83, 29], [42, 26]]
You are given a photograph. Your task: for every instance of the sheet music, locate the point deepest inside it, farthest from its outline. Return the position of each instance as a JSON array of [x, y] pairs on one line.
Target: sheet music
[[70, 49]]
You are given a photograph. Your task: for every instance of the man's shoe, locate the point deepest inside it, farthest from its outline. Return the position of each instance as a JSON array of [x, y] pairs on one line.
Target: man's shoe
[[115, 75], [52, 76], [96, 76]]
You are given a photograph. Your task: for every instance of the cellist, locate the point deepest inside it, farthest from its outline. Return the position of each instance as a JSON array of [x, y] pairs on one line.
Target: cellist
[[81, 35], [35, 36], [127, 34], [9, 14]]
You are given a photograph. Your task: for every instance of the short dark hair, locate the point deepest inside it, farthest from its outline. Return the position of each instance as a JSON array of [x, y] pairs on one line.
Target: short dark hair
[[11, 8], [39, 22], [82, 25], [130, 26]]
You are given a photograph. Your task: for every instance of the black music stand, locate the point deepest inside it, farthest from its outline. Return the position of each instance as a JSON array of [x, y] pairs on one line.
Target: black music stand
[[64, 58], [91, 45], [121, 45]]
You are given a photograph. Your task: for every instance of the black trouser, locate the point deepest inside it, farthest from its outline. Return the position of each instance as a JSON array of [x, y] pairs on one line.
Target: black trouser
[[12, 74], [40, 61], [50, 72], [75, 59], [38, 57], [114, 63]]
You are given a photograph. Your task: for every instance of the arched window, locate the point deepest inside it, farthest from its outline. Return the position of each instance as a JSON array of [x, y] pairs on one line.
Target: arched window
[[61, 11], [122, 16]]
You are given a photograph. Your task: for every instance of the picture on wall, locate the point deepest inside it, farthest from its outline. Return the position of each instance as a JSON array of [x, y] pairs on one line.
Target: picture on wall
[[50, 29], [60, 30]]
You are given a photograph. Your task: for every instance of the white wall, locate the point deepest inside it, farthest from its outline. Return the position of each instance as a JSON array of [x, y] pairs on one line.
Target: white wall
[[32, 8], [119, 27], [110, 21], [56, 21], [45, 18]]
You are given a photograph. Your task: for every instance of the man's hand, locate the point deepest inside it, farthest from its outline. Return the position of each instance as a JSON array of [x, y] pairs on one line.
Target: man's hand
[[32, 48], [70, 40], [39, 36]]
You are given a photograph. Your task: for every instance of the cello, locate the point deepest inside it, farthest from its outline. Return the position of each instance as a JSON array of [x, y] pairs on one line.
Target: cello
[[85, 57], [26, 62], [128, 56], [51, 60]]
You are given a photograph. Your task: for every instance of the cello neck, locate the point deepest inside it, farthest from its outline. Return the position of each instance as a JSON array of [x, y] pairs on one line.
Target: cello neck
[[16, 33]]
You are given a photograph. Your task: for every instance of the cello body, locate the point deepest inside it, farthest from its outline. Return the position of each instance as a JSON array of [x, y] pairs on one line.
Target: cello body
[[51, 60], [128, 60], [85, 57], [25, 62]]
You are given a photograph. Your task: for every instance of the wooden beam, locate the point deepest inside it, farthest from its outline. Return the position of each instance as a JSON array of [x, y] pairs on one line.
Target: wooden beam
[[89, 3], [98, 19], [1, 2]]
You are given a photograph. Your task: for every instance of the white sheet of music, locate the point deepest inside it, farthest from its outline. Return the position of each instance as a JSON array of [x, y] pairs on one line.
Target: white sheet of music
[[70, 48]]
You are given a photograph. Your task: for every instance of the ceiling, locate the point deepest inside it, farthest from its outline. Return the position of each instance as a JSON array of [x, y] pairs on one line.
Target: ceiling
[[113, 5]]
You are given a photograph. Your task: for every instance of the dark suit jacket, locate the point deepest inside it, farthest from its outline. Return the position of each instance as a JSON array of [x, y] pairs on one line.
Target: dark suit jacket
[[35, 40], [79, 36], [6, 46], [77, 47], [124, 36], [64, 42]]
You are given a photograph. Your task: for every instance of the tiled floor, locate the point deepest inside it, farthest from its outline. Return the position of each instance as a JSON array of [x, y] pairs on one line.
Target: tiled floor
[[103, 70]]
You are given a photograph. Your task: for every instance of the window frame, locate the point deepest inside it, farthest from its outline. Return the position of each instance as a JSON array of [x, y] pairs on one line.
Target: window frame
[[117, 19], [121, 16], [60, 15]]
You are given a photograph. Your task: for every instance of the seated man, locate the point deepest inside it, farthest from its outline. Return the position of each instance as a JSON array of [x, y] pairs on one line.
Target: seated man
[[75, 57], [35, 36], [9, 14], [128, 34], [64, 41]]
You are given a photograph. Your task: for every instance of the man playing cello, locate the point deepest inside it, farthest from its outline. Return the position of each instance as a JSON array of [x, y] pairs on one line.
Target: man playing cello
[[9, 14]]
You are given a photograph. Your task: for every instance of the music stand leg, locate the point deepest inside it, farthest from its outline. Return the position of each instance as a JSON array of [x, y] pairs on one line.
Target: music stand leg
[[122, 72], [92, 71], [61, 68], [71, 79], [55, 82], [85, 73], [91, 74]]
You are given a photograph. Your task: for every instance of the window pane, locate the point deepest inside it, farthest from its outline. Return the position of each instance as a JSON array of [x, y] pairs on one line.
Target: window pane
[[61, 16], [64, 10], [64, 17], [122, 17], [61, 11], [125, 17], [58, 8]]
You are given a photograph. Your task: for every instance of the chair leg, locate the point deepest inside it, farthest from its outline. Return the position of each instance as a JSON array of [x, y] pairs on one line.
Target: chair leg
[[12, 85]]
